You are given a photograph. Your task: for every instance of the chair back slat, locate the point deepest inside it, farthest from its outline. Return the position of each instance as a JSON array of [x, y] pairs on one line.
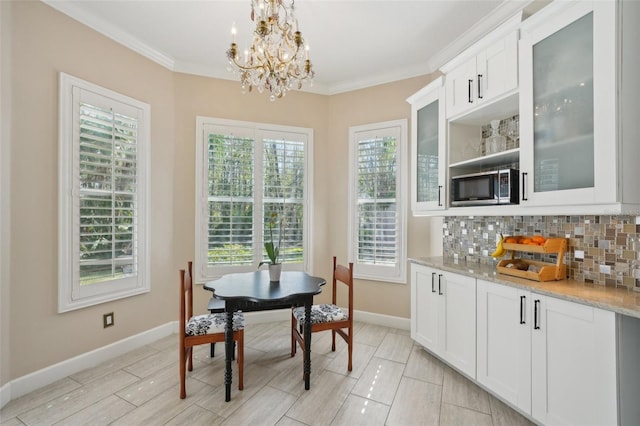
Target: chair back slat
[[182, 320], [344, 275], [188, 289], [186, 296]]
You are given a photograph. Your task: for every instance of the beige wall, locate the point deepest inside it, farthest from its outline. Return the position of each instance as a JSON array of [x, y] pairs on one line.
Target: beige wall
[[5, 295], [380, 103], [45, 42]]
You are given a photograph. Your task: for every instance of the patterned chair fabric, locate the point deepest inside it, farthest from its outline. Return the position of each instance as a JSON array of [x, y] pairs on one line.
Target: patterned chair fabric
[[321, 314], [200, 325]]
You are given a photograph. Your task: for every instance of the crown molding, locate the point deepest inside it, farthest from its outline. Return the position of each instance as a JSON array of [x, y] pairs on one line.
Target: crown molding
[[116, 34], [502, 13], [498, 16]]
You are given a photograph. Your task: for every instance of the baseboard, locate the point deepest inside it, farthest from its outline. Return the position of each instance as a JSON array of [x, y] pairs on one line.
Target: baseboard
[[5, 394], [25, 384], [384, 320]]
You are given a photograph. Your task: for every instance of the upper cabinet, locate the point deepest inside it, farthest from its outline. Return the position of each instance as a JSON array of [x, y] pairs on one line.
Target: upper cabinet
[[428, 140], [484, 77], [577, 97], [568, 75], [484, 73]]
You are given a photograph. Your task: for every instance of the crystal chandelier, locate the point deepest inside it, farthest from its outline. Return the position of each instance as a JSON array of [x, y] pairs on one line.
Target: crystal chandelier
[[275, 61]]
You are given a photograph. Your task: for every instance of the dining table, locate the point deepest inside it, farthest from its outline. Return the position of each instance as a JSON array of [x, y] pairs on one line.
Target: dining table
[[253, 291]]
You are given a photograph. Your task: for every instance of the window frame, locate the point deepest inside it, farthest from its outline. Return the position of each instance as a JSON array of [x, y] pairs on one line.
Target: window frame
[[71, 295], [204, 273], [398, 272]]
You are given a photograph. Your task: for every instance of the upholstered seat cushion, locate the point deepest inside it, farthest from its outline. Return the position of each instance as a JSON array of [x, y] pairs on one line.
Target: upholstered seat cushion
[[321, 313], [212, 323]]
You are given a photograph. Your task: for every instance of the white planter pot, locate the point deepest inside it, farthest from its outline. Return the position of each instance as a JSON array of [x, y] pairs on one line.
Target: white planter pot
[[274, 272]]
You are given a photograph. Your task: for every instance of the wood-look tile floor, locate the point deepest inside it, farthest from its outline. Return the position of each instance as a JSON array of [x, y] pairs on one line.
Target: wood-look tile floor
[[393, 382]]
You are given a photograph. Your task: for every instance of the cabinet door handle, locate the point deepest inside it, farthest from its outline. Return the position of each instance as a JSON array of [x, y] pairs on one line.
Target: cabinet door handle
[[524, 187], [433, 279], [440, 284], [522, 300], [470, 91], [536, 321], [439, 196], [479, 85]]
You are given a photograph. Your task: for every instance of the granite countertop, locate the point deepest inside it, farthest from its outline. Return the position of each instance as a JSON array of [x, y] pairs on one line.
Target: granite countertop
[[620, 300]]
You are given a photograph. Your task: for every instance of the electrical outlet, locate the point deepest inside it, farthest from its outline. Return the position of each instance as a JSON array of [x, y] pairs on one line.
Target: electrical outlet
[[107, 320]]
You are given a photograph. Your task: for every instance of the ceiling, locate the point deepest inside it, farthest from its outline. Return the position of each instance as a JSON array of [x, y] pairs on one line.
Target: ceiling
[[353, 44]]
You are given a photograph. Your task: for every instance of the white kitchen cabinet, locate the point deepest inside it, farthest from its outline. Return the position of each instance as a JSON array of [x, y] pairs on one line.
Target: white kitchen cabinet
[[553, 359], [443, 307], [459, 88], [458, 327], [428, 141], [578, 101], [483, 73], [425, 310], [504, 342], [573, 364]]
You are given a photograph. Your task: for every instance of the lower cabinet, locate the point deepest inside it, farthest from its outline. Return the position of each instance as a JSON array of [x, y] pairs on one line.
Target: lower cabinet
[[443, 315], [504, 342], [553, 359], [573, 364]]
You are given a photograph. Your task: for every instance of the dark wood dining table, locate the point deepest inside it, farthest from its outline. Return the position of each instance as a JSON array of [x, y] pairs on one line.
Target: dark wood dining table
[[252, 291]]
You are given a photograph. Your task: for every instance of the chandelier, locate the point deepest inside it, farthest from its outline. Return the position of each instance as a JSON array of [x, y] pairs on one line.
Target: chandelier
[[276, 60]]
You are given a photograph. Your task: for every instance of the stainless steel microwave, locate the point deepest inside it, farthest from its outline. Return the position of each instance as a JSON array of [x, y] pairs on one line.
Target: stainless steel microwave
[[485, 188]]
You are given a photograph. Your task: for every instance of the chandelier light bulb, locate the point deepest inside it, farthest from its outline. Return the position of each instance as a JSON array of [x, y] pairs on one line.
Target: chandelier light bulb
[[275, 61]]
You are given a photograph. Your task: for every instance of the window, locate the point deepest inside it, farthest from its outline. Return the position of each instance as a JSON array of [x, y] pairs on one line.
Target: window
[[247, 176], [377, 225], [103, 190]]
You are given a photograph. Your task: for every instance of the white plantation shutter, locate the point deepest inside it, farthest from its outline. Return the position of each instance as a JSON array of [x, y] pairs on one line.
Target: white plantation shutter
[[230, 197], [245, 173], [107, 180], [103, 187], [283, 191], [377, 207]]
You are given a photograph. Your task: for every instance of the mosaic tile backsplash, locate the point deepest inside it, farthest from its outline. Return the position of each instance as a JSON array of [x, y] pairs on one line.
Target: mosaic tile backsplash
[[603, 250]]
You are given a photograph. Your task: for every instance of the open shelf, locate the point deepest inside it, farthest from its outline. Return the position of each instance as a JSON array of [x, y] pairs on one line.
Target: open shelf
[[489, 161]]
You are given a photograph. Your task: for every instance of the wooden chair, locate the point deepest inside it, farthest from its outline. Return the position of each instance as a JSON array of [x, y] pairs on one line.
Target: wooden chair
[[328, 316], [203, 329]]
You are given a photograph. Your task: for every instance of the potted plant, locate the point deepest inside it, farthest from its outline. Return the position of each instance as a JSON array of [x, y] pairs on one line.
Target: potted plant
[[273, 250]]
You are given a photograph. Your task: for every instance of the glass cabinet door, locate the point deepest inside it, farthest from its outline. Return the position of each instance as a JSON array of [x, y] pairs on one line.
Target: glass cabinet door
[[428, 192], [427, 166], [568, 105], [563, 151]]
